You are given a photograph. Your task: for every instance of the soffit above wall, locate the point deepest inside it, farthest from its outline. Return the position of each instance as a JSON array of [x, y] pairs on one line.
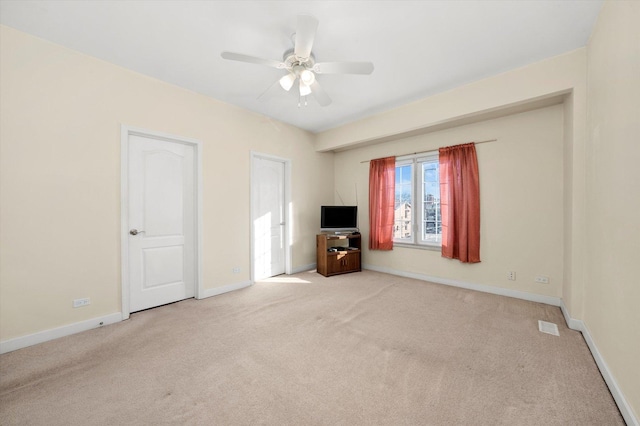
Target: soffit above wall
[[503, 111]]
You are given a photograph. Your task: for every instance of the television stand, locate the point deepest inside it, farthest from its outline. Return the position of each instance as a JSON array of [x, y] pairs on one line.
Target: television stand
[[347, 259]]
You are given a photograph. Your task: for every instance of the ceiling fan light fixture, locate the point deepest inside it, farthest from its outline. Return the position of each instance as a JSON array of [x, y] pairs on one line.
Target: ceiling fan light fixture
[[307, 77], [305, 90], [287, 81]]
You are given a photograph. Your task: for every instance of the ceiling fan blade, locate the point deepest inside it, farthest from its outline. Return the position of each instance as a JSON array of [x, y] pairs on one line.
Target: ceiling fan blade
[[252, 59], [305, 34], [343, 68], [319, 93]]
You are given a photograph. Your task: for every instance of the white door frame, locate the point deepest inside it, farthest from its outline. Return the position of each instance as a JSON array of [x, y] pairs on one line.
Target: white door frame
[[288, 228], [125, 132]]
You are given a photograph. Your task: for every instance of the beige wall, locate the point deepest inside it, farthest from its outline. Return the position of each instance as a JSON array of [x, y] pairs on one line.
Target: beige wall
[[495, 96], [612, 290], [61, 113], [521, 182]]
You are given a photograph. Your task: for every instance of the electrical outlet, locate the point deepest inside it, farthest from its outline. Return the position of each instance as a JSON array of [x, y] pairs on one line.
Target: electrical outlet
[[236, 270], [542, 279], [511, 275], [77, 303]]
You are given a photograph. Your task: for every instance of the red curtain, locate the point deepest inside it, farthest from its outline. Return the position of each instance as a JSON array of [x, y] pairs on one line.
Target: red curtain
[[460, 203], [382, 181]]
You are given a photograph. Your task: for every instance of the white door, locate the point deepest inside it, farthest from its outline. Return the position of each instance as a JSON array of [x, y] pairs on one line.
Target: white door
[[162, 219], [268, 205]]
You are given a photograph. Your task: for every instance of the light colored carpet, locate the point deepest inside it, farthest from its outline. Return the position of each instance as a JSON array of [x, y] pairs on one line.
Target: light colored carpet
[[362, 348]]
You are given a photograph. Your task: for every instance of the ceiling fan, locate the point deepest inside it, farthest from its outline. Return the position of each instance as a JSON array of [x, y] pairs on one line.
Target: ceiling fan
[[300, 64]]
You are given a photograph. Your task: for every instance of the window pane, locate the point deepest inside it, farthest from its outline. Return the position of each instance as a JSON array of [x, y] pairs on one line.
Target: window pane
[[406, 174], [403, 202], [431, 228]]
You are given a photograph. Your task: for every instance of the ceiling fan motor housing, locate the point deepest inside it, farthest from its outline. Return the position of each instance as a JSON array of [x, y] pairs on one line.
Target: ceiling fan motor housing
[[291, 60]]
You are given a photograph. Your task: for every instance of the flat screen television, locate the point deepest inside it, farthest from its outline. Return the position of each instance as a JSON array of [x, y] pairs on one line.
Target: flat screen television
[[338, 218]]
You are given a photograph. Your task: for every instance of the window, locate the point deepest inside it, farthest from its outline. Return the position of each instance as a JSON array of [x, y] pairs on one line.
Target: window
[[417, 201]]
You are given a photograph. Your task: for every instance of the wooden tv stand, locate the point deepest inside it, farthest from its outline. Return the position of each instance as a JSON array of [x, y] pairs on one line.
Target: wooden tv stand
[[338, 262]]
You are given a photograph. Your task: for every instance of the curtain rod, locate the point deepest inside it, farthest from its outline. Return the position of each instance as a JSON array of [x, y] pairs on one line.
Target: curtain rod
[[431, 150]]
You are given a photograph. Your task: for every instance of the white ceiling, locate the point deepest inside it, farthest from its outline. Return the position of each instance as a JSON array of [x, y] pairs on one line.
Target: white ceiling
[[418, 48]]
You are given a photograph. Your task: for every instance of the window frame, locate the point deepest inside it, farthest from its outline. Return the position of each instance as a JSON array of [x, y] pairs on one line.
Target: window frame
[[418, 220]]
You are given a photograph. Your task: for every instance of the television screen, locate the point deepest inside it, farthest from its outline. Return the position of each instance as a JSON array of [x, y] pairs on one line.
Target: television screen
[[339, 218]]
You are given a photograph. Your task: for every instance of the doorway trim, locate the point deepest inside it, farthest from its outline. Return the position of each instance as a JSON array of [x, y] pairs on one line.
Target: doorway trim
[[125, 132], [288, 214]]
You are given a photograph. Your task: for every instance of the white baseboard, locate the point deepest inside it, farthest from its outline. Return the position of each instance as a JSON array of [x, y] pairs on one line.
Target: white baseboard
[[55, 333], [209, 292], [303, 268], [66, 330], [572, 323], [549, 300], [618, 396]]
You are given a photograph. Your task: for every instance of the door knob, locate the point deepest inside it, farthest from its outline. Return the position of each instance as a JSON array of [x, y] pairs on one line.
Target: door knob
[[135, 232]]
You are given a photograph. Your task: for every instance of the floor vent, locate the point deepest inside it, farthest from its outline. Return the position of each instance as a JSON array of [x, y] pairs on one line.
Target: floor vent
[[548, 327]]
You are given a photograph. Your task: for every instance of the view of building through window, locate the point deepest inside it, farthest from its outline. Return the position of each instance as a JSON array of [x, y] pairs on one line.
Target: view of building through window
[[418, 185], [404, 189]]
